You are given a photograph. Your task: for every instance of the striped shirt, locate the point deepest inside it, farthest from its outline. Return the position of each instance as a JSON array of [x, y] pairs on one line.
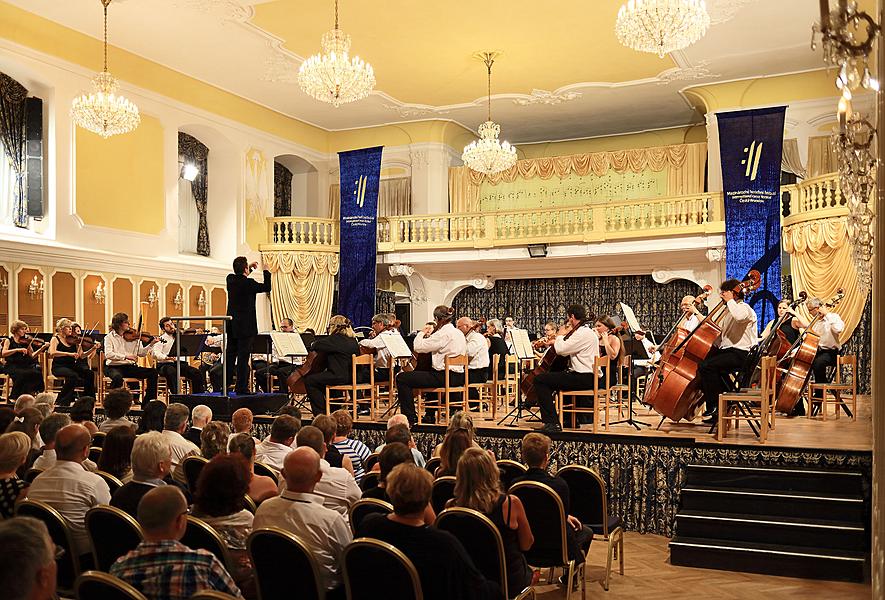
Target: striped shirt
[[169, 570], [358, 452]]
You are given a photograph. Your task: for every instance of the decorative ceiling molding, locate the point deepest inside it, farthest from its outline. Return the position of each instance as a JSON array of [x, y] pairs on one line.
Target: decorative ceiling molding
[[544, 97], [689, 73], [415, 110], [225, 10], [721, 11]]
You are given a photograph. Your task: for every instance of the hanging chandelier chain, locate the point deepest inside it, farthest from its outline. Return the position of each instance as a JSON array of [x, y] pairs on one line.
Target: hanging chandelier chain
[[105, 4], [336, 14], [489, 62]]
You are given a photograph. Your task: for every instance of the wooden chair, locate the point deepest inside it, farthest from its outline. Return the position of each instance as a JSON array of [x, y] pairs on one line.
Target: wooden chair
[[5, 385], [620, 393], [588, 502], [599, 397], [192, 466], [163, 387], [200, 535], [68, 563], [55, 383], [444, 402], [510, 470], [272, 547], [488, 390], [508, 388], [353, 389], [362, 562], [838, 387], [95, 585], [443, 491], [112, 533], [367, 506], [114, 483], [740, 406]]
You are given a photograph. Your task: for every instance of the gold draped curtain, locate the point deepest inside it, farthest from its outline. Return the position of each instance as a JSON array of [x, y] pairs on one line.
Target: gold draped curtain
[[790, 159], [820, 258], [302, 287], [685, 164], [821, 158]]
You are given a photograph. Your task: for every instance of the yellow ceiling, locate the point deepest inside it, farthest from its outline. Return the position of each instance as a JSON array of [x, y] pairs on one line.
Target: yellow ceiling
[[422, 50]]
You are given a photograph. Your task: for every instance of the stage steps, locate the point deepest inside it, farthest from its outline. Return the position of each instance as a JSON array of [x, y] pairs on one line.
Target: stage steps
[[779, 521]]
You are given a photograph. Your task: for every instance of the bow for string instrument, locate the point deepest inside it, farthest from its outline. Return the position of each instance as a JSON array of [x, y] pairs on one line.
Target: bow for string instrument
[[551, 361], [84, 342], [677, 392]]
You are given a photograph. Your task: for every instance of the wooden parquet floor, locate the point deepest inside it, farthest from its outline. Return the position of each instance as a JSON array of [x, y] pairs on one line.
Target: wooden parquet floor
[[648, 575]]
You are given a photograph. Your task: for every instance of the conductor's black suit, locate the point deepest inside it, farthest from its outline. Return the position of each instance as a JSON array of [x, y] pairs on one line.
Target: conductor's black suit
[[241, 292]]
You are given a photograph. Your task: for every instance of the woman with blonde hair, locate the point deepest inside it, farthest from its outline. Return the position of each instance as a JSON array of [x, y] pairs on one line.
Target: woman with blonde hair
[[478, 487], [21, 361], [460, 421], [66, 363], [340, 346], [14, 448]]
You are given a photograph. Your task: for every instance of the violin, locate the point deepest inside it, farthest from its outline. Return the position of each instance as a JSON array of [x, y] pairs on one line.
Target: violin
[[34, 344], [144, 337]]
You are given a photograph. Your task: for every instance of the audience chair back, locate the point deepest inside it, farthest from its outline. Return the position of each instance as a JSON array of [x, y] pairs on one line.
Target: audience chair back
[[98, 439], [510, 470], [249, 504], [68, 563], [370, 480], [94, 585], [272, 547], [94, 454], [587, 498], [432, 464], [113, 483], [199, 534], [112, 533], [370, 461], [365, 559], [263, 469], [365, 507], [193, 466], [212, 595], [443, 491], [31, 475]]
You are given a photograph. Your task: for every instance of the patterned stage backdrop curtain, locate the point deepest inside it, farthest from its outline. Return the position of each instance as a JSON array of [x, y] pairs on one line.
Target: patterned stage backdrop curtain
[[193, 150], [533, 302], [282, 190], [385, 301], [394, 198], [12, 133], [302, 287]]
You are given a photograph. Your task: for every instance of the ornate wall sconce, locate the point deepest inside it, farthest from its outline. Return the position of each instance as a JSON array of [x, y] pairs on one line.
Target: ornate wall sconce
[[152, 296], [201, 301], [4, 286], [178, 301], [98, 294], [36, 288]]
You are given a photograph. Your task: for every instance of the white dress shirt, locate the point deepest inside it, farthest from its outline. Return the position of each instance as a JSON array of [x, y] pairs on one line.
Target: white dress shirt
[[582, 348], [324, 531], [272, 454], [691, 323], [382, 356], [181, 447], [446, 341], [48, 459], [738, 326], [71, 490], [652, 356], [116, 349], [161, 349], [108, 424], [337, 487], [829, 328], [477, 351]]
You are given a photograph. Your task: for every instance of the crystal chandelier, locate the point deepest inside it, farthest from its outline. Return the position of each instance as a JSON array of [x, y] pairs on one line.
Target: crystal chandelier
[[103, 111], [488, 155], [661, 26], [333, 76]]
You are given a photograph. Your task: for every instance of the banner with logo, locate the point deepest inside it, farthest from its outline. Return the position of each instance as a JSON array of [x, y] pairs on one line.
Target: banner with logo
[[360, 171], [750, 146]]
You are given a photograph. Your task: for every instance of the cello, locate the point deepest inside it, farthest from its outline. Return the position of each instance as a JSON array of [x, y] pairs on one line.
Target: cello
[[551, 361], [796, 376], [677, 393], [774, 344]]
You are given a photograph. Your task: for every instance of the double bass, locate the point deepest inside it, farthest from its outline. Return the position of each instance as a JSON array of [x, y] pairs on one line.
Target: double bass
[[797, 374], [677, 393], [551, 361]]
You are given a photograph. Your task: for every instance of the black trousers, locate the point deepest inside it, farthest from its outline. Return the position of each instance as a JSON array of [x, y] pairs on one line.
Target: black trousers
[[279, 371], [547, 383], [215, 372], [237, 353], [316, 389], [712, 369], [118, 372], [192, 374], [25, 380], [76, 375], [408, 381]]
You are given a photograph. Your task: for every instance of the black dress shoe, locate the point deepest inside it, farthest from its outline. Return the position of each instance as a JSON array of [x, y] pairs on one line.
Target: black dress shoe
[[711, 419], [551, 428], [707, 413]]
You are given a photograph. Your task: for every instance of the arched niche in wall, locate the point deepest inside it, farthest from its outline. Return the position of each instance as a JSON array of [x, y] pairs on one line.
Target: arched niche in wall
[[64, 297], [121, 297], [197, 303], [94, 303], [219, 304], [296, 188], [175, 300], [30, 288], [149, 305]]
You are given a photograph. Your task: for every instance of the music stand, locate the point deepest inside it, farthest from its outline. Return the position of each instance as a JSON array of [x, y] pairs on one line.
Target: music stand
[[399, 350], [184, 346], [632, 347], [522, 347]]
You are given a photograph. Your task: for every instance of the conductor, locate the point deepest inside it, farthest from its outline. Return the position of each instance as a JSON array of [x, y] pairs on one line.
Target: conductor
[[241, 292]]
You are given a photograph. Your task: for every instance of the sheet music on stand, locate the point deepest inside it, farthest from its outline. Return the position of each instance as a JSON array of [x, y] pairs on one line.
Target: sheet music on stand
[[396, 345], [630, 317], [522, 345], [288, 344]]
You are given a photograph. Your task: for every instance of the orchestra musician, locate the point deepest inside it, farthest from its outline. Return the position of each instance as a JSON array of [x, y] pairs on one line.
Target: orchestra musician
[[445, 341], [692, 316], [640, 367], [280, 366], [121, 357], [609, 345], [339, 346], [21, 352], [210, 362], [828, 327], [67, 363], [509, 325], [85, 355], [166, 363], [739, 334], [582, 348], [241, 292], [548, 335], [382, 324], [497, 345], [477, 354], [790, 327]]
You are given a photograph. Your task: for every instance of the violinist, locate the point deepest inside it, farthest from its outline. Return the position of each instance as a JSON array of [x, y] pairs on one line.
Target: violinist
[[640, 367], [539, 344], [280, 366], [477, 354], [382, 325], [20, 351], [68, 362], [166, 363], [339, 346], [790, 327], [582, 348], [121, 357], [609, 345], [828, 327], [739, 334], [444, 341], [497, 345]]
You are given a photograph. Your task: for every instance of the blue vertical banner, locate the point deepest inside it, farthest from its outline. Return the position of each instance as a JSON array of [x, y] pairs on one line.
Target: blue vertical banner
[[750, 147], [360, 171]]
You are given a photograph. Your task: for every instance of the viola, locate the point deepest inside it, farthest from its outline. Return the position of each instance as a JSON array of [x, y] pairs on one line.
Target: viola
[[550, 362], [423, 361]]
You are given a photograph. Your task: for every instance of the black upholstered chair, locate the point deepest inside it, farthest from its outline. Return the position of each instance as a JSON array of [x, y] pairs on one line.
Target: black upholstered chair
[[432, 464], [199, 534], [362, 562], [370, 480], [69, 562], [367, 506], [112, 533], [94, 585], [370, 461], [510, 470], [263, 469], [443, 491], [114, 484], [271, 547]]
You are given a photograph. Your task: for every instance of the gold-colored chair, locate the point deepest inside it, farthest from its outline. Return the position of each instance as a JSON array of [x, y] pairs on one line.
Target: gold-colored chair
[[599, 396], [444, 402], [488, 390], [841, 390], [353, 389], [735, 407]]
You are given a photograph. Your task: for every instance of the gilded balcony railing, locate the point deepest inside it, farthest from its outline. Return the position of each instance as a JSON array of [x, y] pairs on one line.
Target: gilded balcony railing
[[816, 198], [301, 233]]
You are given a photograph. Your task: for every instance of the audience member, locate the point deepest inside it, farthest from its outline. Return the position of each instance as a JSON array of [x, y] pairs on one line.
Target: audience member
[[117, 404], [357, 451], [261, 487], [453, 447], [28, 421], [45, 403], [151, 466], [161, 566], [393, 454], [152, 417], [28, 570], [70, 488], [14, 448], [174, 424], [300, 511], [460, 421], [24, 401], [83, 413], [213, 439], [49, 428], [444, 567], [274, 449], [200, 416], [116, 454], [241, 421], [329, 427], [337, 486], [397, 420]]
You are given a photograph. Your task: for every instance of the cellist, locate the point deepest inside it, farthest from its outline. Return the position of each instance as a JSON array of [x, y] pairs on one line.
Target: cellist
[[739, 334], [828, 327]]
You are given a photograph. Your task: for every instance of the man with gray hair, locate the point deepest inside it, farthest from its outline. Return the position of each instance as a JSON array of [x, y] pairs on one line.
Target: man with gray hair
[[381, 326], [151, 465], [174, 426], [49, 428], [161, 566], [24, 401], [827, 325], [28, 569], [200, 416]]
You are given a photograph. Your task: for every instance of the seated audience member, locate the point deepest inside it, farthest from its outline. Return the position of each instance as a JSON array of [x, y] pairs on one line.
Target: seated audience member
[[68, 487], [478, 486], [273, 451], [536, 455], [117, 404], [445, 568], [213, 439], [393, 454], [337, 486], [400, 433], [45, 403], [401, 419], [151, 466], [241, 421], [152, 417], [201, 415], [460, 421], [300, 511], [14, 448], [116, 453], [333, 456], [83, 413], [355, 450], [174, 425], [49, 428], [161, 566], [261, 487], [24, 401], [28, 570], [453, 447], [28, 421]]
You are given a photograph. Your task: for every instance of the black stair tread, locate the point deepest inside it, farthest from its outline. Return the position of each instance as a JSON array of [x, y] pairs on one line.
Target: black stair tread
[[739, 546], [789, 471], [721, 489], [769, 520]]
